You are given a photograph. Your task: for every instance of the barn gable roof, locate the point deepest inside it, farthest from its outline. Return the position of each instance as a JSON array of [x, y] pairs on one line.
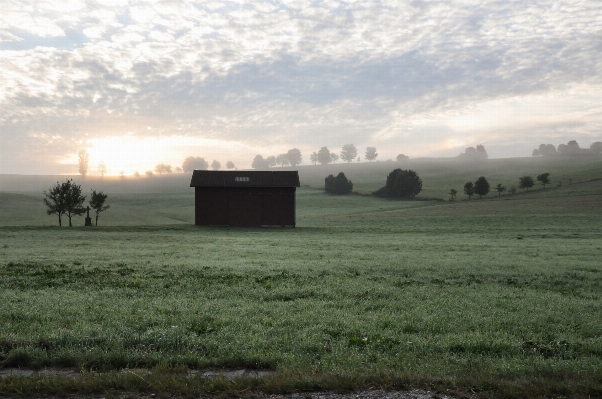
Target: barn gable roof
[[213, 178]]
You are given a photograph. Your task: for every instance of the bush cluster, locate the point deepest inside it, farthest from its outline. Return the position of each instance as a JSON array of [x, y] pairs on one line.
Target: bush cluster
[[401, 183], [338, 185]]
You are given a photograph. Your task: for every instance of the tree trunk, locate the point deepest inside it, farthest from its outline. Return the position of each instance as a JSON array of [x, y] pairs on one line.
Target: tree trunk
[[60, 224], [97, 219], [70, 225]]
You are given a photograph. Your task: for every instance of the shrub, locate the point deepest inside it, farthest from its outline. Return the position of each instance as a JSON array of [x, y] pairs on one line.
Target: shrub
[[338, 185], [401, 183]]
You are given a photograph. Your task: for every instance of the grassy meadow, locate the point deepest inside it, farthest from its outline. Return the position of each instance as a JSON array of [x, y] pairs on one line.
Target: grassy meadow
[[499, 297]]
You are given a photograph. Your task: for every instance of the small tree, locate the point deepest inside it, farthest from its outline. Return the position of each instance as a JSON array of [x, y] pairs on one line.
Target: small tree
[[73, 199], [55, 201], [481, 186], [348, 152], [596, 147], [452, 194], [149, 173], [102, 168], [544, 179], [526, 182], [177, 169], [313, 157], [97, 202], [338, 185], [371, 153], [294, 157], [512, 190], [259, 162], [401, 183], [469, 189], [194, 163], [401, 158], [65, 199], [334, 157], [500, 189], [84, 158], [324, 156], [215, 165], [122, 175], [136, 174], [230, 165], [163, 168], [282, 160], [481, 151], [270, 161], [536, 153]]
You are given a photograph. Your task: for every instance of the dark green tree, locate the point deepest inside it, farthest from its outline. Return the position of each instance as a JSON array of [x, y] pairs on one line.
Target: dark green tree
[[338, 185], [500, 189], [55, 201], [65, 199], [401, 183], [526, 182], [469, 189], [74, 200], [348, 152], [544, 179], [452, 194], [481, 186], [97, 202]]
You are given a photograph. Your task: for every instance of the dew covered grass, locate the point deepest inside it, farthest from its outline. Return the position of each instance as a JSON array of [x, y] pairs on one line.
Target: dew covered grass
[[497, 296]]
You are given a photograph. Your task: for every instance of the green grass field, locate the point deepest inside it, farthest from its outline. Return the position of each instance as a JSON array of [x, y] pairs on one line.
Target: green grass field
[[500, 297]]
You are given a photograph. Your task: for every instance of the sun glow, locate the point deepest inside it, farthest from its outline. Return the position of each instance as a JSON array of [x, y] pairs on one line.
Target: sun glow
[[130, 153]]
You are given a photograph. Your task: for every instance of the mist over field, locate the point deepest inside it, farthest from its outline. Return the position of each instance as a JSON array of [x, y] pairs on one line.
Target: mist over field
[[443, 238]]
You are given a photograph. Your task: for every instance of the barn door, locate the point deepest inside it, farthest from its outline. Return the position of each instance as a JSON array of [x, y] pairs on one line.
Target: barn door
[[245, 210]]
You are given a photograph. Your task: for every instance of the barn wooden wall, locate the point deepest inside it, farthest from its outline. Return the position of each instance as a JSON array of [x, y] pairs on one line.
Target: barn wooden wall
[[245, 206]]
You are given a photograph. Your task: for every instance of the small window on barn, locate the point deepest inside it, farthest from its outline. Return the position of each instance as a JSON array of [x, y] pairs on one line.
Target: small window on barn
[[241, 179]]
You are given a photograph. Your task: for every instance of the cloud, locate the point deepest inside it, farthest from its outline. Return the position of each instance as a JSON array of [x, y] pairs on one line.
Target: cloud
[[418, 76]]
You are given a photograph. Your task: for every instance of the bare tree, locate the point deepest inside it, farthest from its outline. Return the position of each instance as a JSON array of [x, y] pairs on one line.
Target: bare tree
[[162, 168]]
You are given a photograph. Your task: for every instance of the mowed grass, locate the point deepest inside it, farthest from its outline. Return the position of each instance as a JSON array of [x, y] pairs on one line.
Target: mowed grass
[[499, 297]]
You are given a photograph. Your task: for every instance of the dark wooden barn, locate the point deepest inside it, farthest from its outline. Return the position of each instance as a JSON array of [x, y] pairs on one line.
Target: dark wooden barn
[[245, 199]]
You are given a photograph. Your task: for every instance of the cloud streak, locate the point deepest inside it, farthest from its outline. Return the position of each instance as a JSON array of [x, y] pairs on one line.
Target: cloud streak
[[299, 73]]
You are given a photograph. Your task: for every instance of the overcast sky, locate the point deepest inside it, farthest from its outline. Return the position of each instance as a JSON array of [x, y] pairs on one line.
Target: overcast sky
[[139, 83]]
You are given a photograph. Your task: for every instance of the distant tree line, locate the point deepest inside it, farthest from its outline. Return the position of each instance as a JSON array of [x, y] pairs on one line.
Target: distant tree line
[[472, 153], [481, 186], [570, 148]]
